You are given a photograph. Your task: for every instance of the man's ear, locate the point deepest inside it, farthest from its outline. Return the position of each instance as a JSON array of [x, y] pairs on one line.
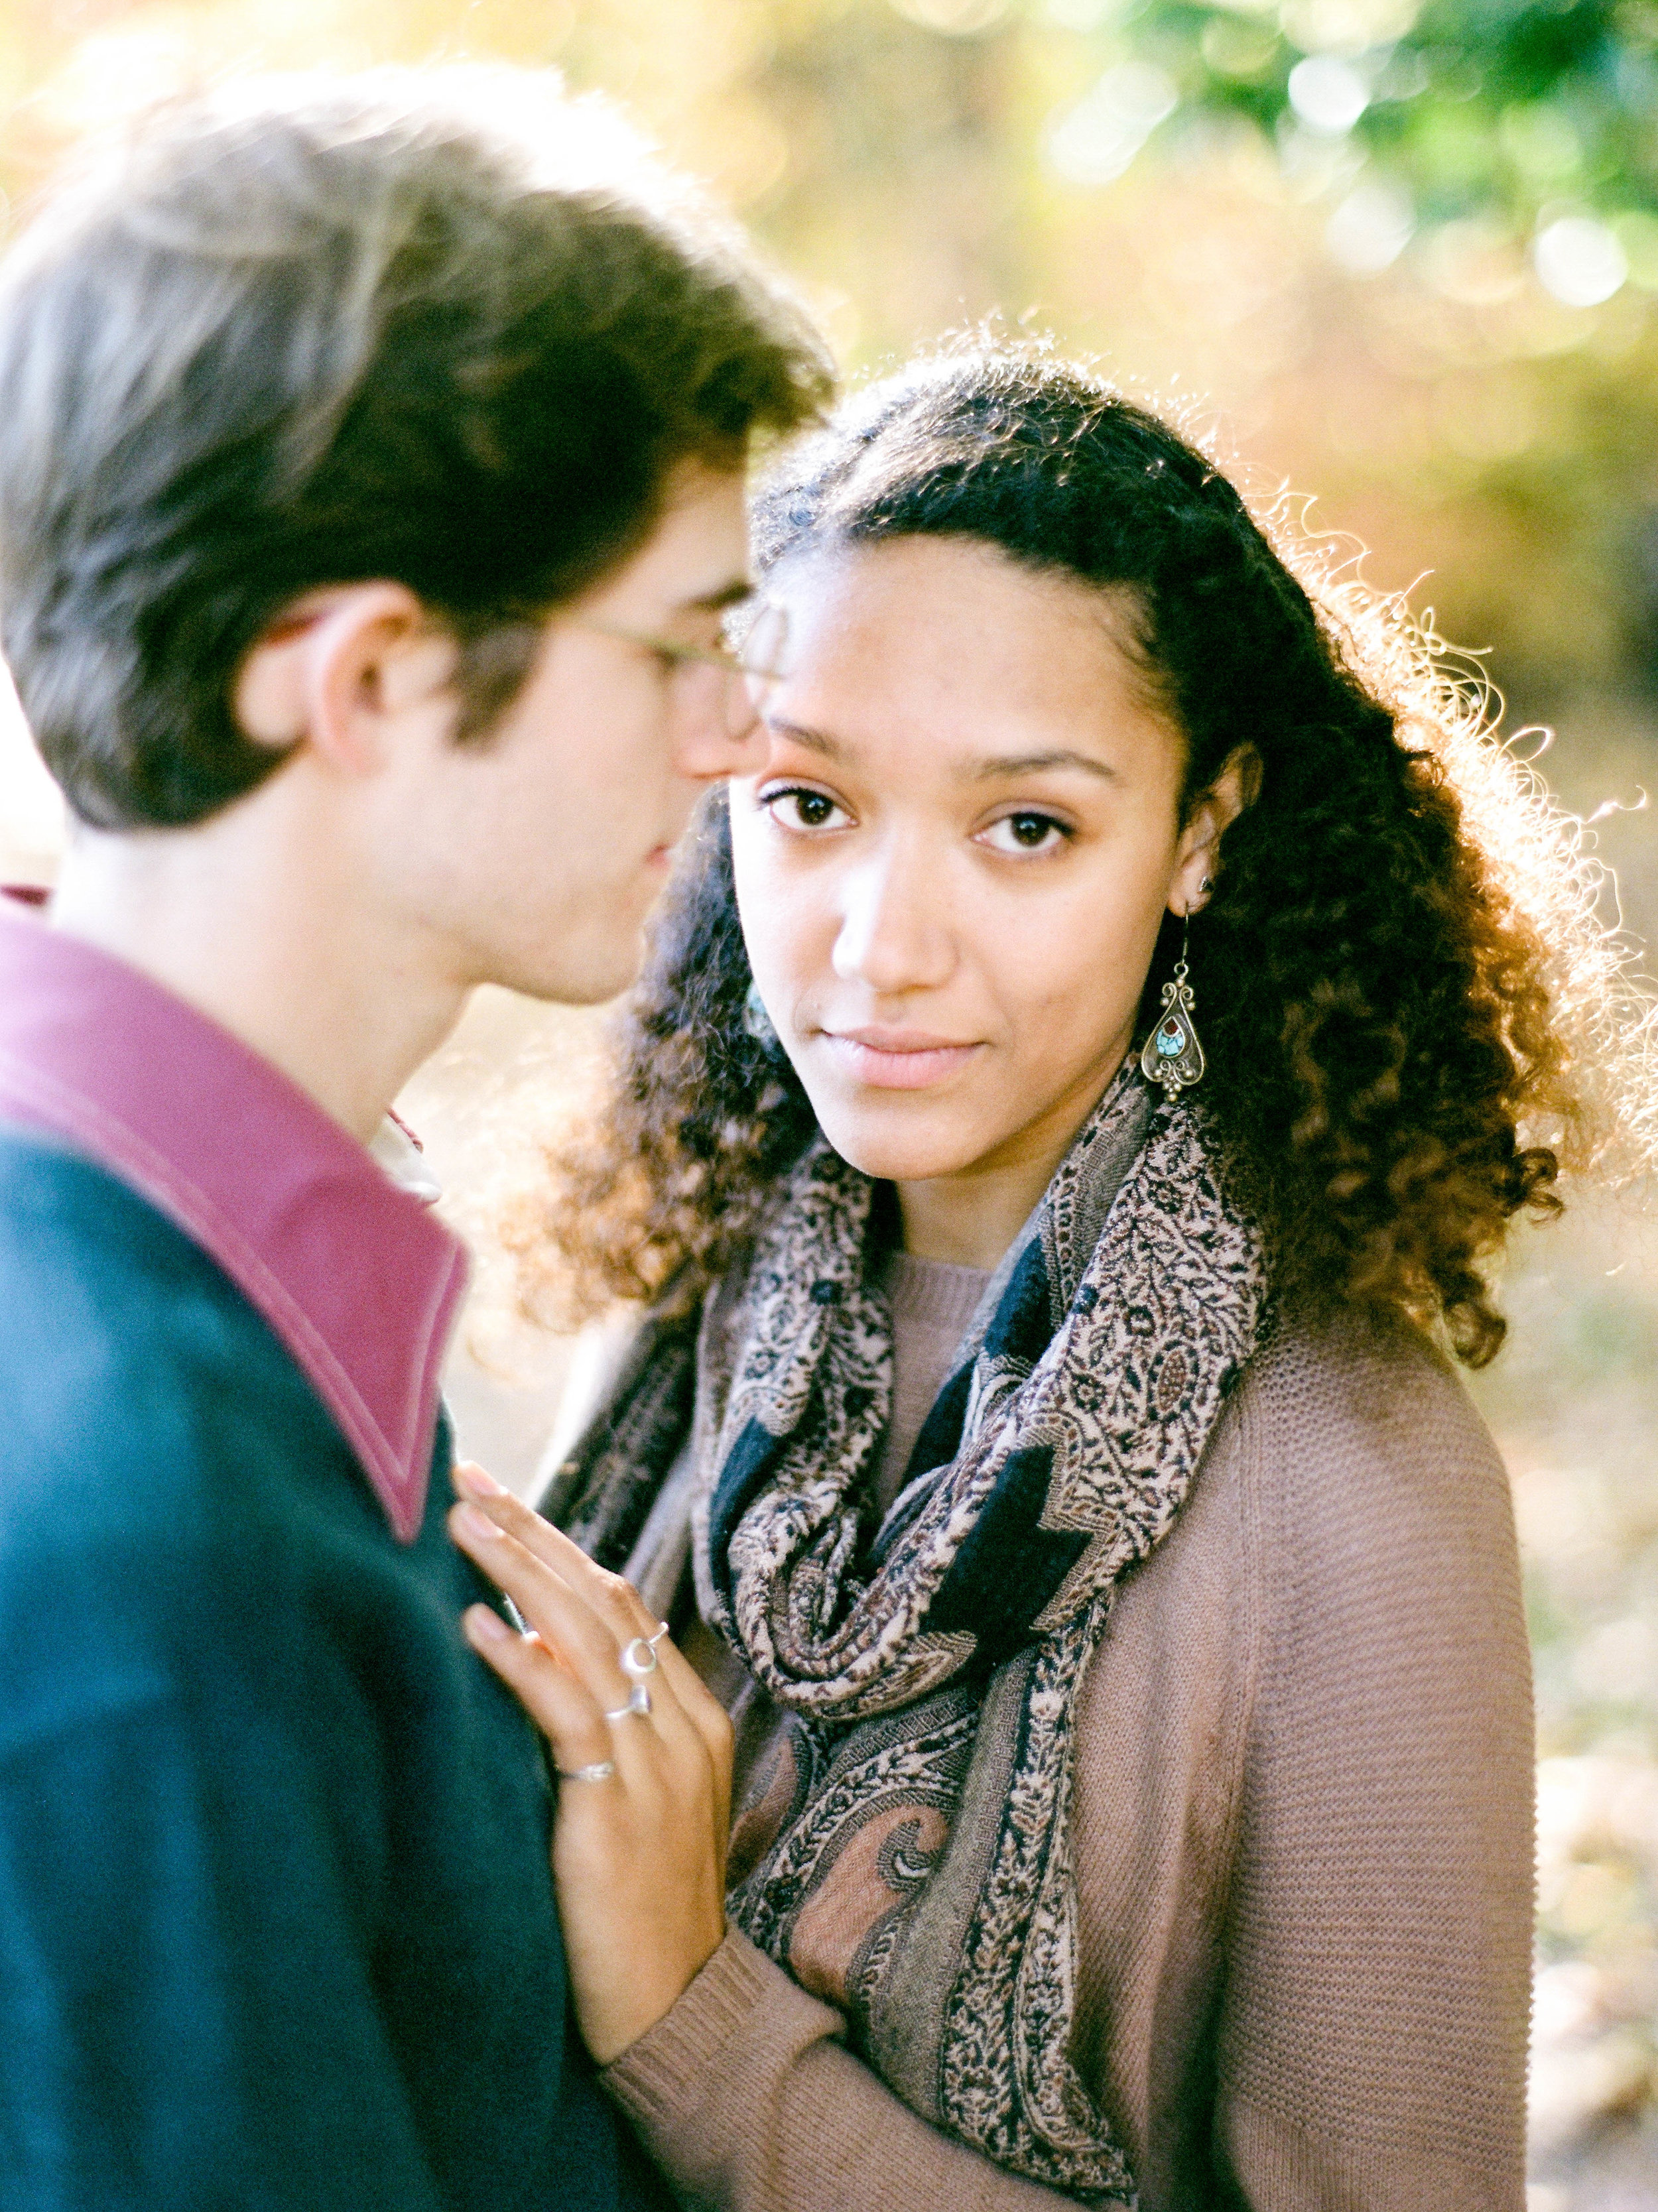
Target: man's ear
[[338, 668], [1198, 859]]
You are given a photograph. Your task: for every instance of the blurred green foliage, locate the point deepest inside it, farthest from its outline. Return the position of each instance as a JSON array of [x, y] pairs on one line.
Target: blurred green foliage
[[1475, 104]]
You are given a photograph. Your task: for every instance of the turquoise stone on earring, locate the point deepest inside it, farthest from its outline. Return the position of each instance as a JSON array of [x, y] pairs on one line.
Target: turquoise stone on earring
[[1172, 1056]]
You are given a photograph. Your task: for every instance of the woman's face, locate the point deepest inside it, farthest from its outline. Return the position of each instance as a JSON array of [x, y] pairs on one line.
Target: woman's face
[[951, 869]]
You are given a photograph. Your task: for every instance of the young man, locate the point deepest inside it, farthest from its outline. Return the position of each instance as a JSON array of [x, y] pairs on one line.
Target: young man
[[367, 508]]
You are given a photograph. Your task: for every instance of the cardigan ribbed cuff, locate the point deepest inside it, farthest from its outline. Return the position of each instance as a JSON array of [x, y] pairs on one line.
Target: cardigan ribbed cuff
[[658, 2077]]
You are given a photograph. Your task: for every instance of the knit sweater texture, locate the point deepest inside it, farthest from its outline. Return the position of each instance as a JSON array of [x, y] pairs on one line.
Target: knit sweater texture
[[1302, 1843], [276, 1930]]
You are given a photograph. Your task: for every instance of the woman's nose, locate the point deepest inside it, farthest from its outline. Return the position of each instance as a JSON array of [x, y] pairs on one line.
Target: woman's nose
[[895, 933]]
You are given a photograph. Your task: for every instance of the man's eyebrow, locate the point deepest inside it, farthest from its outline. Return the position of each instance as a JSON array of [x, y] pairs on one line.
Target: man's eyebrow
[[814, 741], [983, 771], [723, 597]]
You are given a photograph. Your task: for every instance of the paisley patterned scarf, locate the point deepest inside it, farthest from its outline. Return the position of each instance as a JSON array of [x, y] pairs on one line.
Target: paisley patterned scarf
[[931, 1665]]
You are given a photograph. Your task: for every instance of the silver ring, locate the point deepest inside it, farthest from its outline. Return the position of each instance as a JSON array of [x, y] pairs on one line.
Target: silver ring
[[652, 1641], [638, 1660], [638, 1701], [601, 1771]]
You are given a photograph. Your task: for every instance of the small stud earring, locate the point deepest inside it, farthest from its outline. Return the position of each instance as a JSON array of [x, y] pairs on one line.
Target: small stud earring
[[1172, 1055]]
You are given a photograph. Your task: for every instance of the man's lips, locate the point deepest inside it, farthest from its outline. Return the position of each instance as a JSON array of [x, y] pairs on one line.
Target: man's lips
[[897, 1059]]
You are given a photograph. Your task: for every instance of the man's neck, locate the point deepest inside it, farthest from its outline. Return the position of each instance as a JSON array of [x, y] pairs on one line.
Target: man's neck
[[269, 935]]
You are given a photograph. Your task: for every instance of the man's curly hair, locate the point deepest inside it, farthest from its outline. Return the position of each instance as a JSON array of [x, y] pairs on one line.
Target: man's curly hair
[[1412, 1012]]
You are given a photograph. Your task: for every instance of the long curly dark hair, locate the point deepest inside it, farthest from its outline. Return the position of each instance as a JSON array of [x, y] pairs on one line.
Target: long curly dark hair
[[1410, 1011]]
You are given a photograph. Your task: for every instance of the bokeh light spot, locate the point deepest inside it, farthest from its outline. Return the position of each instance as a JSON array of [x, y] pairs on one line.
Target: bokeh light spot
[[1636, 232], [1328, 95], [957, 19], [1579, 261], [1096, 140], [1371, 228], [1237, 48], [1346, 27], [1539, 140]]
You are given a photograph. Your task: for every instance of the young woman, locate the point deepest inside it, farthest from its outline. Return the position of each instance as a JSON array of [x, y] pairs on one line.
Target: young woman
[[1083, 1076]]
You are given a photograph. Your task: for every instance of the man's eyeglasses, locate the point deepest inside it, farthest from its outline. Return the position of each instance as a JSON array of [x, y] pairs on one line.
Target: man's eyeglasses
[[727, 682]]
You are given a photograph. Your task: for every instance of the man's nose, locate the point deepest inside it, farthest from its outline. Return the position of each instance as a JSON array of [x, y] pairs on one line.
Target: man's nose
[[711, 751], [726, 742]]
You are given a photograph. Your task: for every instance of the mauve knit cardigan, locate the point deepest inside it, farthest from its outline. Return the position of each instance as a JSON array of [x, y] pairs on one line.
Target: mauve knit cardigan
[[1303, 1838]]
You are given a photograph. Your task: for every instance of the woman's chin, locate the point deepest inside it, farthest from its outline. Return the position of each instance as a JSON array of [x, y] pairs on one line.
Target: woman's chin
[[922, 1146]]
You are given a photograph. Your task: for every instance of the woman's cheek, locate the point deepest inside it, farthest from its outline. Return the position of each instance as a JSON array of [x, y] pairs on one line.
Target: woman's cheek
[[1075, 971], [789, 935]]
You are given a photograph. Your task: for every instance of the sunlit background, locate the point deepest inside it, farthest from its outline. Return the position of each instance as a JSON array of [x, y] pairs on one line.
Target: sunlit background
[[1402, 258]]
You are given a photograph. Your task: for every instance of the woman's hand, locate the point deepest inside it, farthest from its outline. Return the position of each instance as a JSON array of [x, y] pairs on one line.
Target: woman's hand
[[639, 1853]]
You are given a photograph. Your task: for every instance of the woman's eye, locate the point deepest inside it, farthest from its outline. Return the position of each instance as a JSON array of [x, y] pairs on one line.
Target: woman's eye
[[1025, 832], [801, 810]]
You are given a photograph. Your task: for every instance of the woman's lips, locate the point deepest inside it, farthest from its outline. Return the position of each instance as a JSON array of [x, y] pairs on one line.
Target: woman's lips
[[896, 1060]]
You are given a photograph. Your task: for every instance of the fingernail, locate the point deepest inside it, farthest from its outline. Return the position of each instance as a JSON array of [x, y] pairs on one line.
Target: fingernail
[[475, 1481], [478, 1526], [485, 1626]]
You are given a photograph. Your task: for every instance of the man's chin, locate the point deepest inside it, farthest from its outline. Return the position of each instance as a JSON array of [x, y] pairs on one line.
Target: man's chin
[[584, 977]]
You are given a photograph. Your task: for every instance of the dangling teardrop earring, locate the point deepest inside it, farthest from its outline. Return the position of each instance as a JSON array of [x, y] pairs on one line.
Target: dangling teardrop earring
[[1172, 1054]]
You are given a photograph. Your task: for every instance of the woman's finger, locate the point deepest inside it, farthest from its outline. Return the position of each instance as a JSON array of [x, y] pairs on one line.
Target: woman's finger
[[562, 1618], [614, 1602], [639, 1841], [560, 1614], [639, 1836], [561, 1708]]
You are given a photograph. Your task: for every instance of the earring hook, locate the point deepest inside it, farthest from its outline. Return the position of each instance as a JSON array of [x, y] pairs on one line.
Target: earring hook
[[1172, 1056]]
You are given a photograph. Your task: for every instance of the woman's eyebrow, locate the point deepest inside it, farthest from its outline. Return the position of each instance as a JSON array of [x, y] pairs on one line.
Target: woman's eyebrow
[[977, 771], [983, 771]]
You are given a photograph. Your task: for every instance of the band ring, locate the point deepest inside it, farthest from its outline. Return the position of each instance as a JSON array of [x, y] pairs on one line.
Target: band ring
[[638, 1701], [601, 1771], [639, 1659]]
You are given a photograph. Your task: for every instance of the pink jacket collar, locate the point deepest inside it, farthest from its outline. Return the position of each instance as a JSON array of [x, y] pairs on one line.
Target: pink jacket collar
[[355, 1276]]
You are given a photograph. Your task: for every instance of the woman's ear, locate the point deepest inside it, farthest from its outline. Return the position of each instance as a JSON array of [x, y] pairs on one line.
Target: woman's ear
[[1197, 859], [337, 670]]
